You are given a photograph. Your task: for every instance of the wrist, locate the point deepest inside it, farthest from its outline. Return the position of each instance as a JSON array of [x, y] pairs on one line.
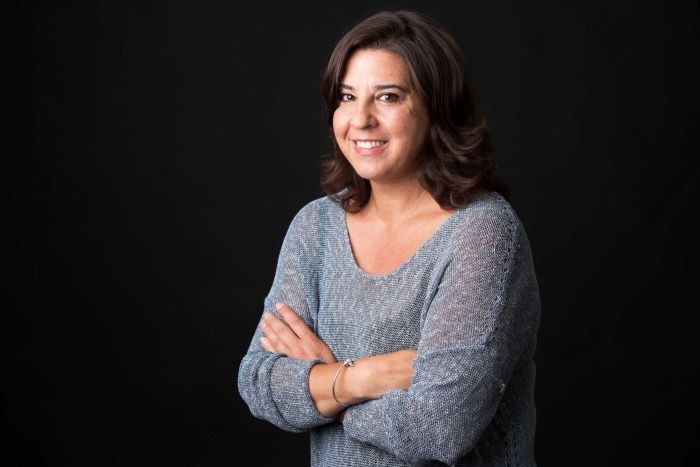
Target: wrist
[[348, 363]]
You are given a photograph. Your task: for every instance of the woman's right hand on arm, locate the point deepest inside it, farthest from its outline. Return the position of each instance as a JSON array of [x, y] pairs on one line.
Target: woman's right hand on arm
[[292, 337]]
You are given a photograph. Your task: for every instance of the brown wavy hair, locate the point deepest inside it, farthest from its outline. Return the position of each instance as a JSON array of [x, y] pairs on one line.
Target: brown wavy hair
[[459, 156]]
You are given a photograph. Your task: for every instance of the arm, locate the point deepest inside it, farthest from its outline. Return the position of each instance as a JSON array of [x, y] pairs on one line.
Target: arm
[[370, 378], [275, 387], [476, 328]]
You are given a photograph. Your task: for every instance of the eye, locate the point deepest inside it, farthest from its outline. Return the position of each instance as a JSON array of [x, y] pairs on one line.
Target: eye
[[346, 97], [388, 97]]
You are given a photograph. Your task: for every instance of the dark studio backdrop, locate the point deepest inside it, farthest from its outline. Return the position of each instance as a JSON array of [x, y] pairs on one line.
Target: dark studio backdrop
[[154, 153]]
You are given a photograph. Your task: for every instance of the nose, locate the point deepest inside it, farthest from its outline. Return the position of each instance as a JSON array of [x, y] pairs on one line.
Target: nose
[[363, 115]]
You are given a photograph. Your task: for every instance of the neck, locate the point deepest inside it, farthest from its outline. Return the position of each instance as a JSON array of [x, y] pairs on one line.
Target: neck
[[395, 202]]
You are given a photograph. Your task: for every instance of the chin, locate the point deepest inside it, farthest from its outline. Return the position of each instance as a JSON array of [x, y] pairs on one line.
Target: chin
[[371, 175]]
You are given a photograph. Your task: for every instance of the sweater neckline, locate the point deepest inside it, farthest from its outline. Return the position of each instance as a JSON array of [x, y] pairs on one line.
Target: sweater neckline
[[350, 256]]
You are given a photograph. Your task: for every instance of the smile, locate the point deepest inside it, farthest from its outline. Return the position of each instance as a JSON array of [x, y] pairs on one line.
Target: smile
[[369, 144]]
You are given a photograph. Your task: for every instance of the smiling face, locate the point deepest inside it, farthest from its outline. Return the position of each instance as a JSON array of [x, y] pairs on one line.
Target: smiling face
[[381, 121]]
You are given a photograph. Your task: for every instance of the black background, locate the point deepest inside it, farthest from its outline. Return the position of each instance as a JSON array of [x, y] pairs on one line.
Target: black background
[[154, 153]]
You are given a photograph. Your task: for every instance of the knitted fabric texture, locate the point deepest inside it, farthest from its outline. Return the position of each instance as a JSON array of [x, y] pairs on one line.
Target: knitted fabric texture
[[467, 300]]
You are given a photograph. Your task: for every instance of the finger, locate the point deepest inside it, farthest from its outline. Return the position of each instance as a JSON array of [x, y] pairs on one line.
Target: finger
[[269, 339], [272, 343], [293, 320], [278, 331], [265, 342]]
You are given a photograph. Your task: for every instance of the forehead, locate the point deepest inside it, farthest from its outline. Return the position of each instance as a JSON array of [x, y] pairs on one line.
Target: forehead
[[370, 67]]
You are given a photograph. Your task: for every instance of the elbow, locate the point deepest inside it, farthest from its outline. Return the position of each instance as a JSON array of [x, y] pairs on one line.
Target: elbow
[[259, 402], [253, 385], [448, 449], [288, 408], [447, 439], [245, 383], [452, 449]]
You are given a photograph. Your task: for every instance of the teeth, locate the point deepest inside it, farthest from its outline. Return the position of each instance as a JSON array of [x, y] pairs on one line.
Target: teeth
[[369, 144]]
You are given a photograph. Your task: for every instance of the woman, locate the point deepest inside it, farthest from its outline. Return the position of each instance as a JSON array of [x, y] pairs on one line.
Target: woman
[[402, 320]]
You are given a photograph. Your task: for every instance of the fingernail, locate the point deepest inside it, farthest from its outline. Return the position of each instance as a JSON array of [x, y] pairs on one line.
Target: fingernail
[[278, 306]]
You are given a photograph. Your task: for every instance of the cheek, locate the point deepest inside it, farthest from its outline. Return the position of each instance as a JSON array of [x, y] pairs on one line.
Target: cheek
[[403, 121], [415, 124], [338, 123]]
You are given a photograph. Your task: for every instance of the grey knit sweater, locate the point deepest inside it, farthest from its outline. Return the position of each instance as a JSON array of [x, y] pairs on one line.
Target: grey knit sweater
[[467, 300]]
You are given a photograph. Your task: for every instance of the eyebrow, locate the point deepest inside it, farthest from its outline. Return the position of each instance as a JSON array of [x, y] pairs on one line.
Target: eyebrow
[[379, 87]]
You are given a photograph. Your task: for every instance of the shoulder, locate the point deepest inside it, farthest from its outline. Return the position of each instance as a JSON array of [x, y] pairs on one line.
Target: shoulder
[[314, 218], [313, 225], [318, 210], [489, 219], [490, 212]]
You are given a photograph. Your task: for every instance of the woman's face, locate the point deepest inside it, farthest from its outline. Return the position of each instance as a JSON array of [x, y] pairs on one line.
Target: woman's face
[[381, 122]]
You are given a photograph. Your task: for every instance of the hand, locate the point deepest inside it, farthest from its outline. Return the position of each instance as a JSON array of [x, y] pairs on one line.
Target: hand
[[292, 337]]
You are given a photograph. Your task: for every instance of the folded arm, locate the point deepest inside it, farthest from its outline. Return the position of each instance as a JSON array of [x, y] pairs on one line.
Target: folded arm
[[274, 386], [370, 378]]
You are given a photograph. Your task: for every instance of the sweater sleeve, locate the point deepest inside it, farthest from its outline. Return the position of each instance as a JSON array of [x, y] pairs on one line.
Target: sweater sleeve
[[274, 387], [481, 320]]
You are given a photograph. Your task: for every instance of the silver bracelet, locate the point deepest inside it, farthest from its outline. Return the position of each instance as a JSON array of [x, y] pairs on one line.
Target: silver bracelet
[[346, 363]]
